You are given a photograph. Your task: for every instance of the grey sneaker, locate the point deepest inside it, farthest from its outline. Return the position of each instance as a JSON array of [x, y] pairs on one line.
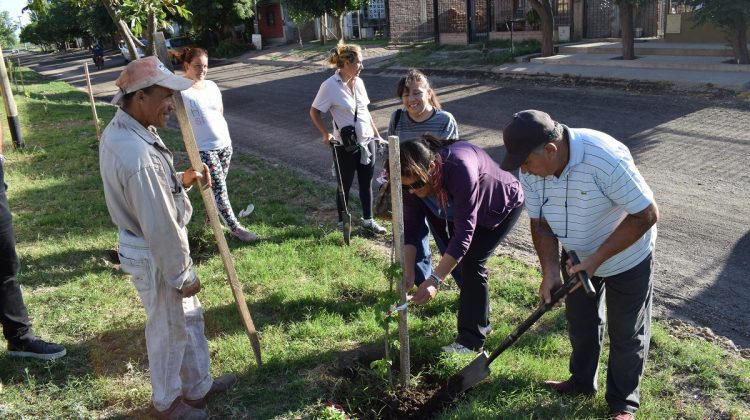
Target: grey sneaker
[[372, 226], [456, 348], [36, 349], [243, 234]]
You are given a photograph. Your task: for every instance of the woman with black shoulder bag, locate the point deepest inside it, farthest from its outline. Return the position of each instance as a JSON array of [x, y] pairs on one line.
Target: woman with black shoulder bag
[[354, 135]]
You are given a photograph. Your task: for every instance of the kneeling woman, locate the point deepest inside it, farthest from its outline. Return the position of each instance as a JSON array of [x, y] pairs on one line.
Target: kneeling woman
[[471, 204]]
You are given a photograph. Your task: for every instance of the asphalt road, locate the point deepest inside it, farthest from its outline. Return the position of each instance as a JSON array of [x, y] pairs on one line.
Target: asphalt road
[[694, 151]]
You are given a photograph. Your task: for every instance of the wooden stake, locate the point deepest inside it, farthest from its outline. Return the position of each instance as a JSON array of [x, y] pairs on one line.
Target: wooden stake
[[10, 105], [208, 199], [91, 99], [20, 74], [397, 218]]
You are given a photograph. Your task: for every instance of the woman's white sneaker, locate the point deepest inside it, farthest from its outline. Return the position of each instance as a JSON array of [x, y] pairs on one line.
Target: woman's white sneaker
[[372, 226]]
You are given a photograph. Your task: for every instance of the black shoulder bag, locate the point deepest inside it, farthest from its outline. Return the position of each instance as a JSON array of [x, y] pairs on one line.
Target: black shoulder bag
[[349, 133]]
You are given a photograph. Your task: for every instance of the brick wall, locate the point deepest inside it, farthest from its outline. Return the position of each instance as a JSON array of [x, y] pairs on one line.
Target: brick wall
[[410, 20]]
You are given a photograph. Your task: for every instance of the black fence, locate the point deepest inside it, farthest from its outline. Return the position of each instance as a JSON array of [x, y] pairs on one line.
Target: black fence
[[461, 21]]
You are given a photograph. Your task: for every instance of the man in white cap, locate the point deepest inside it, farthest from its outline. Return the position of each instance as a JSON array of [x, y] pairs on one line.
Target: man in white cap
[[147, 200], [583, 190]]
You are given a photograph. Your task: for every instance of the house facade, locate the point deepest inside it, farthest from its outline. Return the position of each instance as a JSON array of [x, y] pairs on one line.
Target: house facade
[[462, 21]]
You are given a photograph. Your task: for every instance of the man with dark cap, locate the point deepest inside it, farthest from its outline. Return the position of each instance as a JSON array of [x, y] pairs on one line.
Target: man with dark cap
[[583, 190], [22, 342], [147, 200]]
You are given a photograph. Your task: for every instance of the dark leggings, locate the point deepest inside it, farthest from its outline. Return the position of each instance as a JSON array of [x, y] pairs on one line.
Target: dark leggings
[[348, 163]]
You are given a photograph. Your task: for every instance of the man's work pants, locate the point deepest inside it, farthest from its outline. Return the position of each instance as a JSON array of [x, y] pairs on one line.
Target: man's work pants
[[175, 339], [628, 302]]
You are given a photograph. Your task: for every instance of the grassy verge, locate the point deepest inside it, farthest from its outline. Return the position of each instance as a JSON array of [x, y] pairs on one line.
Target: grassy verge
[[490, 53], [319, 306]]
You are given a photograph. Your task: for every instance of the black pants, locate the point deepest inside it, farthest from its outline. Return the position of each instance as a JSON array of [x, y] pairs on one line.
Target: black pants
[[348, 164], [628, 298], [474, 300], [13, 315]]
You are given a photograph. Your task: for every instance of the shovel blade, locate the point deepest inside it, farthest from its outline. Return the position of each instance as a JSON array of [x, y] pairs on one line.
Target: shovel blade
[[347, 228], [472, 374]]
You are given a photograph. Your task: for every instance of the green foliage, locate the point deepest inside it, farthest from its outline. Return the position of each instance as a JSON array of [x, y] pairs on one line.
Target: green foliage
[[59, 24], [219, 16], [137, 12], [428, 54], [7, 30], [227, 49], [303, 11], [95, 21], [533, 19], [730, 14]]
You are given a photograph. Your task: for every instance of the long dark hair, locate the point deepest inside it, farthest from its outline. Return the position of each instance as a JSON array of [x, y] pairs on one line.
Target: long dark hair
[[416, 155]]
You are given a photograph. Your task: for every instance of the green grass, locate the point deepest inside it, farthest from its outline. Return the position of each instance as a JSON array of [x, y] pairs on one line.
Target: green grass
[[494, 52], [314, 47], [319, 306]]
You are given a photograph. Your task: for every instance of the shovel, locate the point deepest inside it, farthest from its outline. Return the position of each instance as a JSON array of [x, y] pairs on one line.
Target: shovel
[[345, 216], [479, 368]]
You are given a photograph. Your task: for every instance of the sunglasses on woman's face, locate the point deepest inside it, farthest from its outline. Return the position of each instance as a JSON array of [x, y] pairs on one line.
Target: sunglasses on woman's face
[[416, 185]]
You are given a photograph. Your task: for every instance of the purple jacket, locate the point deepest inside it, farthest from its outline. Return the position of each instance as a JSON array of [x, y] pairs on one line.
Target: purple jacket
[[479, 193]]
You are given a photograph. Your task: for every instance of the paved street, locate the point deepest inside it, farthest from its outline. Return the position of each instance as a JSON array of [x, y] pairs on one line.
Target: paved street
[[693, 151]]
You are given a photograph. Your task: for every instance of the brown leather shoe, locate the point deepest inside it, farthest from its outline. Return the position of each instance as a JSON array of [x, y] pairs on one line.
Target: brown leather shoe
[[567, 387], [180, 410], [622, 415], [221, 384]]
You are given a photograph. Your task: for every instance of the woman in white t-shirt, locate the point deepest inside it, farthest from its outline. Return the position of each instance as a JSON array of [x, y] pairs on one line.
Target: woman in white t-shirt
[[205, 110]]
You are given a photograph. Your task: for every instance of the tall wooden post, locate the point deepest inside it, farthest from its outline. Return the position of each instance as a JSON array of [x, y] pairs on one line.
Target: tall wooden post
[[10, 105], [91, 99], [191, 147], [397, 217]]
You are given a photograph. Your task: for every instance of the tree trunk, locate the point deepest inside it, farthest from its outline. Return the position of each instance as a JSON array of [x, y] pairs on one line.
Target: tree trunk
[[123, 30], [338, 23], [626, 26], [739, 45], [544, 10], [323, 29], [150, 31]]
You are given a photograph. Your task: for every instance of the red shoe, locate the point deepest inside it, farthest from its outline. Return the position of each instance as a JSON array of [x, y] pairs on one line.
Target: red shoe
[[622, 415], [566, 387]]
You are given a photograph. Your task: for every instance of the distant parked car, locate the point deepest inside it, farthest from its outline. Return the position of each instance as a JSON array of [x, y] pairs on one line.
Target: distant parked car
[[175, 47], [126, 52]]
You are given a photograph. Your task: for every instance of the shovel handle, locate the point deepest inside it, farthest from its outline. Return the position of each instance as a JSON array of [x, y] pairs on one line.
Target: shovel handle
[[582, 276]]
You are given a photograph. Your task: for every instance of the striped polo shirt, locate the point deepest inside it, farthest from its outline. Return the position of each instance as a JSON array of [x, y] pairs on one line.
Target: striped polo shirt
[[441, 124], [598, 187]]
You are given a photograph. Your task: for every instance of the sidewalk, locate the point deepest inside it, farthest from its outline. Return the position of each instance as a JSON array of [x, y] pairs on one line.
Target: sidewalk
[[684, 65]]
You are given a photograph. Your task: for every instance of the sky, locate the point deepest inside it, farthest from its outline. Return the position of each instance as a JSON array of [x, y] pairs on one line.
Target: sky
[[14, 8]]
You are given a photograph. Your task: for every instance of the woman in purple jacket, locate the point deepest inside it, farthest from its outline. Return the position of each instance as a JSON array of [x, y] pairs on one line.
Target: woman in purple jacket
[[471, 204]]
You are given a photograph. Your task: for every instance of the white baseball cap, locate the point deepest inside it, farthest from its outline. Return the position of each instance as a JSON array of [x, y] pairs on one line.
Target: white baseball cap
[[145, 72]]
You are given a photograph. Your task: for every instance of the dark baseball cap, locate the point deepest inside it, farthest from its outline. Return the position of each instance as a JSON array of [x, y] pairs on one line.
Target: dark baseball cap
[[528, 130]]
